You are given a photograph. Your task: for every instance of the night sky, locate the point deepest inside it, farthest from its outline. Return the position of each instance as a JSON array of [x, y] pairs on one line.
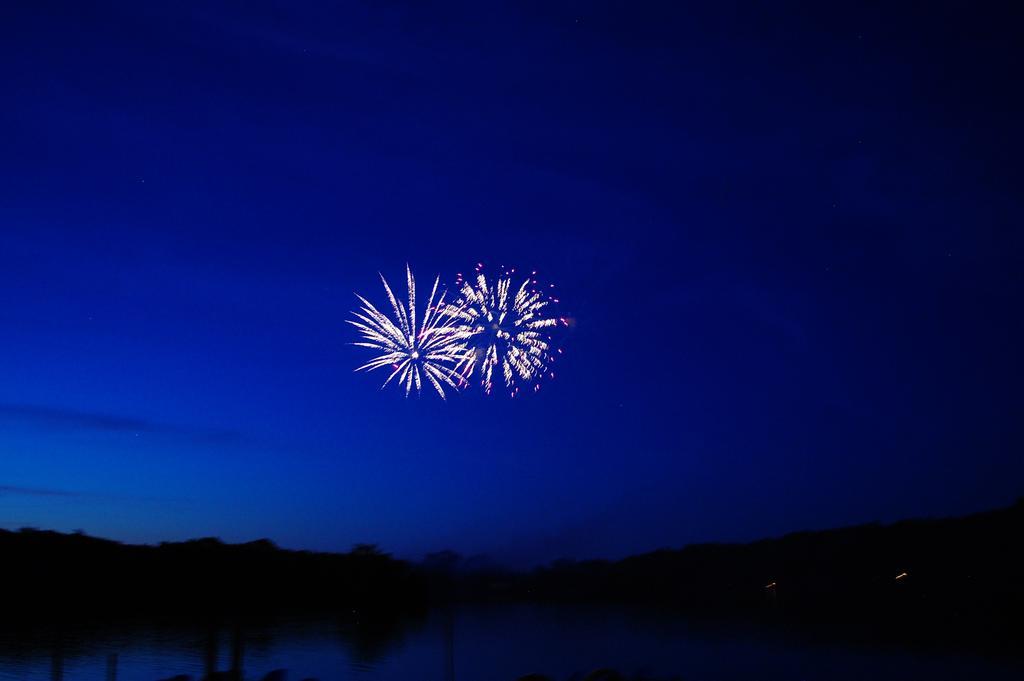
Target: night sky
[[789, 238]]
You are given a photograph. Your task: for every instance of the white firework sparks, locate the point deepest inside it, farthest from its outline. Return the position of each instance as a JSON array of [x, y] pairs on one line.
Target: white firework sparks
[[430, 352], [510, 328]]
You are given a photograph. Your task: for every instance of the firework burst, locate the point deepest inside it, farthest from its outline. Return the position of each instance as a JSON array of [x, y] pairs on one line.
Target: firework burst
[[429, 353], [510, 326]]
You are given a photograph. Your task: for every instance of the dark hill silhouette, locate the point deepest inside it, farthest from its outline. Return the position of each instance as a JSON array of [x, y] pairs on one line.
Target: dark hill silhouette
[[974, 560], [921, 581], [912, 581], [919, 578]]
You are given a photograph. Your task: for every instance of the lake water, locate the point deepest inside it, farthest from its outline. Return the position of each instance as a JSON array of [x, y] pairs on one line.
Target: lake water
[[477, 644]]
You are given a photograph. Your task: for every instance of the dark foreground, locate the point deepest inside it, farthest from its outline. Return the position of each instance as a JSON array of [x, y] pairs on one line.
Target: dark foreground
[[956, 582], [931, 599]]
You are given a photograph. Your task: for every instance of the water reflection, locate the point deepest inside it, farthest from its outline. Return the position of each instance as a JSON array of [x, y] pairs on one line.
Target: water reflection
[[208, 650], [475, 644]]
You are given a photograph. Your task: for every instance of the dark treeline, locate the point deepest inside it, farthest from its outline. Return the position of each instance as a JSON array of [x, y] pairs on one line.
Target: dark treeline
[[75, 573], [916, 579]]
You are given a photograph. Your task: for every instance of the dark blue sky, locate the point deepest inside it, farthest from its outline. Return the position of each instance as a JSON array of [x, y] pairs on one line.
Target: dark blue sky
[[790, 238]]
